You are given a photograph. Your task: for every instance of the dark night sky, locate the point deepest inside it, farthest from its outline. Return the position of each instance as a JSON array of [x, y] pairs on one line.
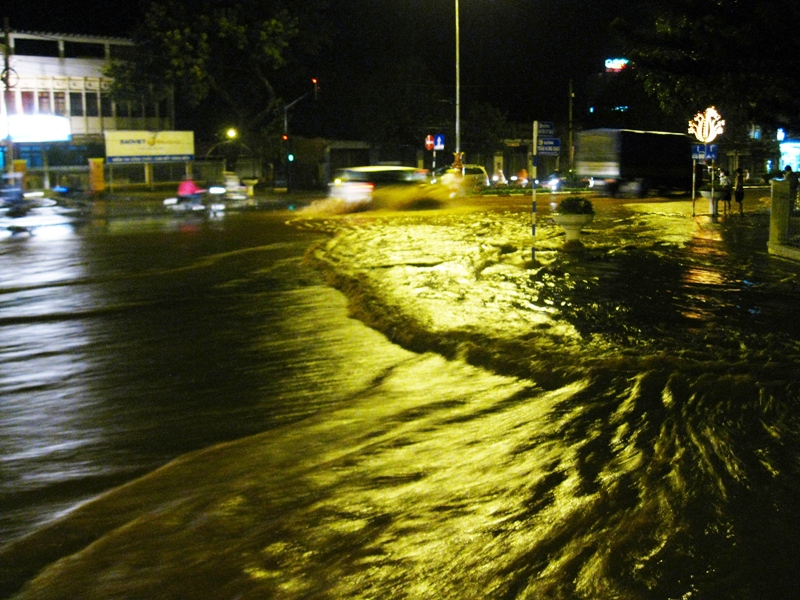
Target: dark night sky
[[517, 54]]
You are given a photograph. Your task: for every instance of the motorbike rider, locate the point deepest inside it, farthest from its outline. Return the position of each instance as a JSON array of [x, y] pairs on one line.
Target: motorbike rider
[[189, 191]]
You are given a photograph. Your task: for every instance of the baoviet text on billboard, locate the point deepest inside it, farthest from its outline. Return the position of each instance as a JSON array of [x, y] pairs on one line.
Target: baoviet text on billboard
[[149, 146]]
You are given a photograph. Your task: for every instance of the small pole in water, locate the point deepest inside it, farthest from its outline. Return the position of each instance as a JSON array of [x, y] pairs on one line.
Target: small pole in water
[[694, 183], [533, 189]]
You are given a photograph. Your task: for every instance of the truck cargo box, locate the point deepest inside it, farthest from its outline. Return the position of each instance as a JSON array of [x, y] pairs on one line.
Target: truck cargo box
[[638, 161]]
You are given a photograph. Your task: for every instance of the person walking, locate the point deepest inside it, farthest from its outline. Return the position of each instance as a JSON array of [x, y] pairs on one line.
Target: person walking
[[727, 188], [738, 189]]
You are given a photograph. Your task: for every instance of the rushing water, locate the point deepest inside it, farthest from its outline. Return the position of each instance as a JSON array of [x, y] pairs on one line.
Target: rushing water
[[618, 423], [127, 342]]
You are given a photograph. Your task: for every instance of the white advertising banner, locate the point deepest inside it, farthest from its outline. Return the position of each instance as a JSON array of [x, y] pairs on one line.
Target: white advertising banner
[[35, 128], [149, 146]]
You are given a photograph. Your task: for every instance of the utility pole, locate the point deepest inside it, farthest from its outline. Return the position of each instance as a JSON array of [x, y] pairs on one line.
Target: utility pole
[[6, 77], [571, 148], [458, 83]]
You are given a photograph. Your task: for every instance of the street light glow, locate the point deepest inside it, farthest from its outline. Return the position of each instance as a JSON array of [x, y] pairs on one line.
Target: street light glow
[[232, 133]]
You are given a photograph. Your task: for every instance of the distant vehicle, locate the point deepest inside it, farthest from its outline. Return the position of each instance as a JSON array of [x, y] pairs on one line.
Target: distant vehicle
[[475, 177], [632, 162], [558, 181], [554, 182], [362, 184], [211, 201], [470, 178]]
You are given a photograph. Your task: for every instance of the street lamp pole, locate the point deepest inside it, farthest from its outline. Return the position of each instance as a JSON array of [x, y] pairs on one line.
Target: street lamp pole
[[286, 108], [458, 84], [6, 76]]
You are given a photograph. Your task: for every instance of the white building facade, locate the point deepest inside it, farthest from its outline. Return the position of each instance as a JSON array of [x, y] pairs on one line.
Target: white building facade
[[63, 75]]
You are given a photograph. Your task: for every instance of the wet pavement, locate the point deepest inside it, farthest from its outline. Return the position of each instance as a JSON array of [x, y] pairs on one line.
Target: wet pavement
[[617, 422]]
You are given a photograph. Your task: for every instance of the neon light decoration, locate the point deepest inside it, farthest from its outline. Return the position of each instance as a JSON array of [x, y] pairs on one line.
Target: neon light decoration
[[706, 126]]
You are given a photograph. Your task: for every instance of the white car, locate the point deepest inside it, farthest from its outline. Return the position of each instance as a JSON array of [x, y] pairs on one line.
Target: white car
[[359, 184], [469, 178]]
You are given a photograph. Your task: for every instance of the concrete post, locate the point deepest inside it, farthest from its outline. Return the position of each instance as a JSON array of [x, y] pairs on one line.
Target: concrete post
[[779, 213]]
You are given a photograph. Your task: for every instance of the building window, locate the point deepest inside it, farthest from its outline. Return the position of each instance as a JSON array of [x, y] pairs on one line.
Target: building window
[[45, 106], [11, 102], [106, 108], [92, 105], [60, 103], [76, 104], [28, 103]]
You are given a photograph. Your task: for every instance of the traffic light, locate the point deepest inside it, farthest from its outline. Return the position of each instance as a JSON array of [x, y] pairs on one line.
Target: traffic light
[[287, 148]]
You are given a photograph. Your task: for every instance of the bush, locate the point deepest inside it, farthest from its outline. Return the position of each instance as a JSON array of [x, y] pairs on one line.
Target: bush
[[575, 205]]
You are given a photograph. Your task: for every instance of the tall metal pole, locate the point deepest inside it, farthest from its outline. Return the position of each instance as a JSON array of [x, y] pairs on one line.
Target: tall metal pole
[[458, 83], [533, 178], [9, 157], [571, 147]]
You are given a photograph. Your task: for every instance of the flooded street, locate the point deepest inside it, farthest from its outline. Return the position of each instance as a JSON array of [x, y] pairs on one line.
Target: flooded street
[[622, 422], [127, 342]]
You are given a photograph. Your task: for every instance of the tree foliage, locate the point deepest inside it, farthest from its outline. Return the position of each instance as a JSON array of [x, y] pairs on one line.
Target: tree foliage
[[398, 104], [484, 129], [228, 52], [742, 56]]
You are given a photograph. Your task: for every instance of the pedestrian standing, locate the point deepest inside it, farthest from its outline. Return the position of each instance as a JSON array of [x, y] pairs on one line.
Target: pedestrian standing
[[738, 189], [727, 188], [791, 177]]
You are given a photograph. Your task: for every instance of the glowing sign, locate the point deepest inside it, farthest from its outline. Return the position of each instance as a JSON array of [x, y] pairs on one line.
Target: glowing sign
[[35, 128], [615, 65], [706, 126]]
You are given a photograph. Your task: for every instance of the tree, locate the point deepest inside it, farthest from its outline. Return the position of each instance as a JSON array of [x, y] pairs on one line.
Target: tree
[[742, 56], [484, 128], [225, 54], [401, 104], [398, 105]]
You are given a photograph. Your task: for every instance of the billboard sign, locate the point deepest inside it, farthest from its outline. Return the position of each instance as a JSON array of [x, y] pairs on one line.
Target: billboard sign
[[149, 146], [548, 146], [546, 129]]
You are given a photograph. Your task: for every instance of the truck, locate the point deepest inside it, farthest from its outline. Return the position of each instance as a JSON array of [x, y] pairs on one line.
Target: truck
[[632, 162]]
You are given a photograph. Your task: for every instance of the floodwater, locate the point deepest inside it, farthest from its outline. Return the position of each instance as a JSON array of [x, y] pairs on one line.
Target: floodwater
[[129, 341], [621, 422]]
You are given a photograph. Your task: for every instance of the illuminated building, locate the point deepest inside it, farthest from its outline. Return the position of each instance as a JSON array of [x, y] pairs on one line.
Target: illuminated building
[[62, 75]]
